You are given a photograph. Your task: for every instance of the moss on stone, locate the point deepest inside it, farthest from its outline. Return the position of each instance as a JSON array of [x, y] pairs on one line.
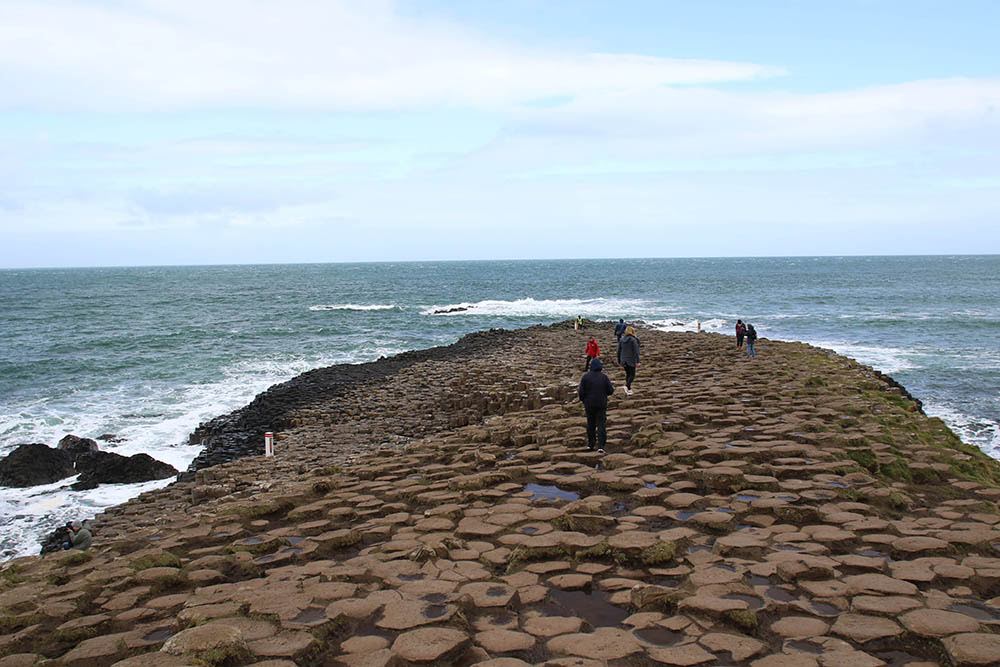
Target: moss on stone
[[745, 619], [161, 559], [76, 558]]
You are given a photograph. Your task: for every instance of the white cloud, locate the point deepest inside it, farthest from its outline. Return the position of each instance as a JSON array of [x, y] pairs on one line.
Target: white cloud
[[179, 54]]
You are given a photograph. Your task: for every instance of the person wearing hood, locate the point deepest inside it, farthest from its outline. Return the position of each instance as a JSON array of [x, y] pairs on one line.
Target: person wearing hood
[[592, 351], [595, 387], [628, 356]]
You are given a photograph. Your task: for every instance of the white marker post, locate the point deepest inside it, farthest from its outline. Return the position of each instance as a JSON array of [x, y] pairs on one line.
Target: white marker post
[[268, 444]]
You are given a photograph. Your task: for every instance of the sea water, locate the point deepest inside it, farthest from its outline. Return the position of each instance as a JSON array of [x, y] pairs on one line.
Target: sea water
[[148, 353]]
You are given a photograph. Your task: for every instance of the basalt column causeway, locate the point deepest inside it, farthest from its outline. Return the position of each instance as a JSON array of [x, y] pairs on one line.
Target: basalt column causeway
[[441, 508]]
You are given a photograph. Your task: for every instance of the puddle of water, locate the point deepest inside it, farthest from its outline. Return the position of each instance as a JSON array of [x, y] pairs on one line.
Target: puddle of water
[[529, 530], [745, 497], [805, 647], [253, 539], [757, 580], [620, 508], [838, 485], [980, 612], [684, 515], [698, 547], [435, 611], [311, 615], [871, 553], [658, 636], [496, 591], [592, 607], [159, 635], [779, 594], [824, 609], [550, 492], [727, 510], [435, 598], [650, 485], [753, 601], [294, 540]]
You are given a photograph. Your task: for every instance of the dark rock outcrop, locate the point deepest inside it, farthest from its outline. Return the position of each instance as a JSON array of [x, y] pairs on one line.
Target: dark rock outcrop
[[110, 468], [76, 446], [34, 464]]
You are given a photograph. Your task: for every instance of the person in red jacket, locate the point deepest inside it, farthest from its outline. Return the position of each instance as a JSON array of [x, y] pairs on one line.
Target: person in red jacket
[[592, 352]]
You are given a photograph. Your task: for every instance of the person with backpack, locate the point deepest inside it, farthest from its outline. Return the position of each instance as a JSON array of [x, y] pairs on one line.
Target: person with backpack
[[593, 351], [594, 389], [751, 341], [619, 330], [741, 331], [628, 356]]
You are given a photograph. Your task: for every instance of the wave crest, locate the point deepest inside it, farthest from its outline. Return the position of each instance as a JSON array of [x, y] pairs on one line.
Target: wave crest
[[555, 308]]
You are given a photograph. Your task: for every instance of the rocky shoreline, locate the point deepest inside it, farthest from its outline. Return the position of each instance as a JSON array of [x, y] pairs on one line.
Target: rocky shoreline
[[440, 507]]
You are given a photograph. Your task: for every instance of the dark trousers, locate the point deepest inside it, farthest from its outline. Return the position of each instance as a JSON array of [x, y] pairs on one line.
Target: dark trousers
[[629, 375], [739, 340], [597, 422], [586, 366]]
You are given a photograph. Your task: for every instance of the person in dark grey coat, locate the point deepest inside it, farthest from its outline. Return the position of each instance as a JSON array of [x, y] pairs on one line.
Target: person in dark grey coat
[[595, 387], [628, 356]]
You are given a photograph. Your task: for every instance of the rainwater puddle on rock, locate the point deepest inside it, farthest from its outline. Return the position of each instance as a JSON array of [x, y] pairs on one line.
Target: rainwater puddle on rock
[[824, 609], [435, 611], [805, 647], [253, 539], [310, 615], [658, 636], [410, 577], [787, 546], [757, 580], [593, 607], [779, 594], [978, 611], [871, 553], [745, 497], [698, 547], [294, 540], [496, 591], [838, 485], [434, 598], [684, 515], [726, 510], [550, 492], [754, 602], [650, 485], [529, 530], [620, 508], [159, 635]]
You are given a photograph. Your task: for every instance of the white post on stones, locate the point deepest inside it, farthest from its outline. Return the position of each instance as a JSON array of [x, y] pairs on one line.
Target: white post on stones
[[268, 444]]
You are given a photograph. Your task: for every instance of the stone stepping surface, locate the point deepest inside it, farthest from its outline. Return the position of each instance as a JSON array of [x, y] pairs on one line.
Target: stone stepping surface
[[820, 519]]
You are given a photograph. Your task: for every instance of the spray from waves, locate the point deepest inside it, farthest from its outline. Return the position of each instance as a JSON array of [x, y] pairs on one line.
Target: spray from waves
[[354, 306], [545, 308], [157, 423]]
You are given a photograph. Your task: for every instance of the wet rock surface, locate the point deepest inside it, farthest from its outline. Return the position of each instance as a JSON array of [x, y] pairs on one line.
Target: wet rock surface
[[443, 509]]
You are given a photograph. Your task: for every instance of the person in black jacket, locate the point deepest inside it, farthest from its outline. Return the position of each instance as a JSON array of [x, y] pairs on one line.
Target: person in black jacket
[[595, 387]]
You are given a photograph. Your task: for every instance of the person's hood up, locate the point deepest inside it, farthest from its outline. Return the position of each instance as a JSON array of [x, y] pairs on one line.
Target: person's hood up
[[596, 365]]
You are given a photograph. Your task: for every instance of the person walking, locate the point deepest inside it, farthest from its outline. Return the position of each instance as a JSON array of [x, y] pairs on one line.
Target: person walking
[[751, 341], [593, 351], [595, 387], [741, 331], [619, 330], [628, 356]]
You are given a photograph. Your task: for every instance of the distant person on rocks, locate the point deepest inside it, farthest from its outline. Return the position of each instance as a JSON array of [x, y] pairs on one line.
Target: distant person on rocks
[[751, 341], [74, 535], [579, 322], [619, 330], [628, 356], [595, 387], [741, 331], [593, 351]]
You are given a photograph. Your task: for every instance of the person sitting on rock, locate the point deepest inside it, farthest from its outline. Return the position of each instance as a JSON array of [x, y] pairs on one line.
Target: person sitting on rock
[[79, 536], [595, 387], [593, 351]]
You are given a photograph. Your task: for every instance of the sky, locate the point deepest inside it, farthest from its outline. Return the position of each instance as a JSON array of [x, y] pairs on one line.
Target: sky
[[153, 132]]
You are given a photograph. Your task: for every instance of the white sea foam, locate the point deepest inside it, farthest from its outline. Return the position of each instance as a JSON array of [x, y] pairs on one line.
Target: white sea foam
[[354, 306], [545, 308], [156, 423], [981, 432]]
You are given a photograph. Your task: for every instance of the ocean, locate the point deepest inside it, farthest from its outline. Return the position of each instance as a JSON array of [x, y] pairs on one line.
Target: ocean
[[148, 353]]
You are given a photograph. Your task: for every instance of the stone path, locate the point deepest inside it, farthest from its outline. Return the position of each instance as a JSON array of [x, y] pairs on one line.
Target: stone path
[[793, 510]]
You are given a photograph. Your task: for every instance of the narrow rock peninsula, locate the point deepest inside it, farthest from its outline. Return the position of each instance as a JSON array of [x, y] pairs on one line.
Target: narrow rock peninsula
[[441, 508]]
